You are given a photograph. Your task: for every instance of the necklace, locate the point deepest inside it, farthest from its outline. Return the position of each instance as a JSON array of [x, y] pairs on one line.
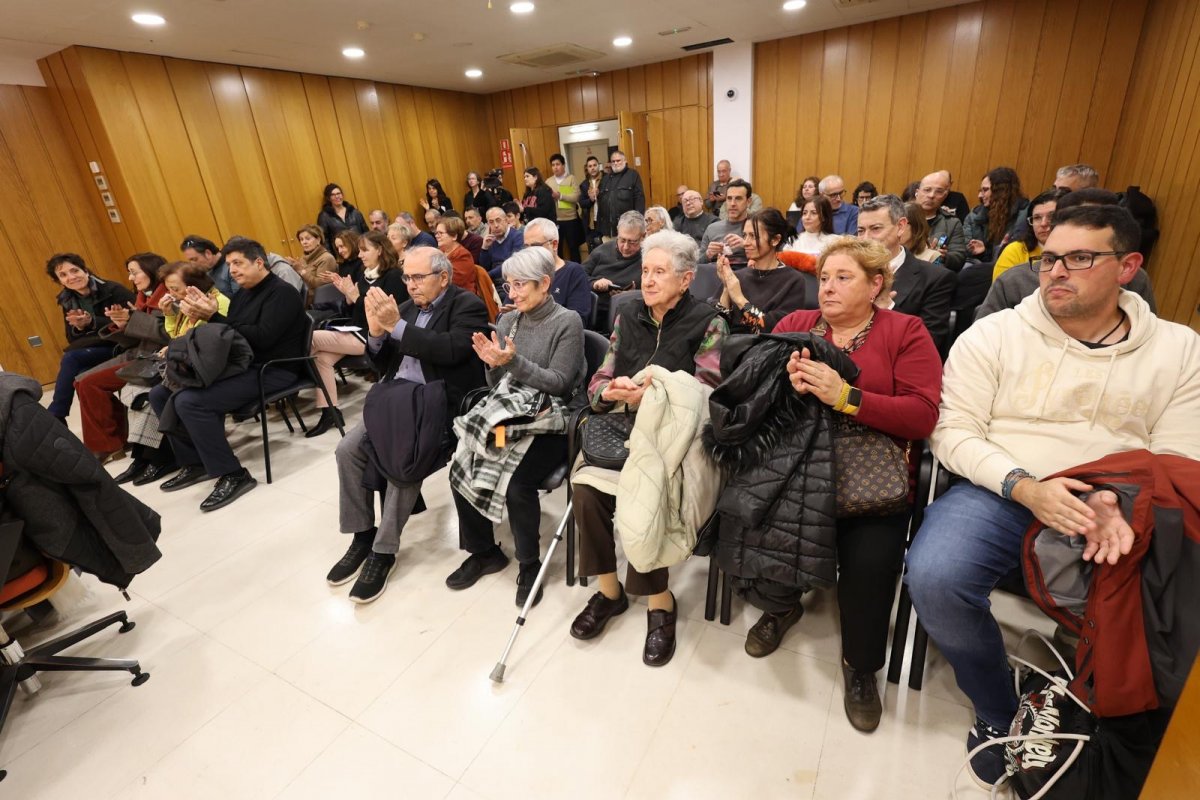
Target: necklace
[[1115, 328]]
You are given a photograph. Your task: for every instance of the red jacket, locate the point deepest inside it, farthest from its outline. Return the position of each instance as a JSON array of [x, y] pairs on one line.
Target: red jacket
[[1139, 630]]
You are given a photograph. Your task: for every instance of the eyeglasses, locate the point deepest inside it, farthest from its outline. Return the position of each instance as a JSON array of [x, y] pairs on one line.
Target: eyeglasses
[[516, 284], [835, 195], [621, 240], [534, 244], [1076, 260], [417, 278]]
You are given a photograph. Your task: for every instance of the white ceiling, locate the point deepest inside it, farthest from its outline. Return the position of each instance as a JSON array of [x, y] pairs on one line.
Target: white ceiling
[[308, 35]]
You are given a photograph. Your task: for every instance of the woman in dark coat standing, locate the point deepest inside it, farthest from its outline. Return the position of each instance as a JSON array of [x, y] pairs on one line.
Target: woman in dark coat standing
[[338, 215], [538, 202]]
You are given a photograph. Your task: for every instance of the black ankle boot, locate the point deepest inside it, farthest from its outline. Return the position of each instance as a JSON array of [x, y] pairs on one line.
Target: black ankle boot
[[330, 418]]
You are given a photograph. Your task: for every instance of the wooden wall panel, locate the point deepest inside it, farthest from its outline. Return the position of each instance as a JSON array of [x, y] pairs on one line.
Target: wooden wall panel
[[1031, 84], [678, 91], [1158, 148], [48, 204], [212, 149]]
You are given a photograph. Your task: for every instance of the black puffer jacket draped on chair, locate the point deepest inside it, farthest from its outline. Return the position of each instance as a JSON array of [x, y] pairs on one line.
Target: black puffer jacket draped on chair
[[778, 508]]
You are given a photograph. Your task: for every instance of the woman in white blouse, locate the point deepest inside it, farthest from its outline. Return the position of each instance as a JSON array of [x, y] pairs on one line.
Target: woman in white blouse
[[815, 225]]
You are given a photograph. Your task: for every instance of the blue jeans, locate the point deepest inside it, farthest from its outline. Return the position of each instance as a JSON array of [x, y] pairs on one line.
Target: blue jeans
[[969, 541], [72, 364]]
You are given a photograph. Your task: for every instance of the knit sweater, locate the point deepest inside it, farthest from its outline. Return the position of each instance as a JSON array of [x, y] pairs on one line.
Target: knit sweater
[[549, 344], [271, 318]]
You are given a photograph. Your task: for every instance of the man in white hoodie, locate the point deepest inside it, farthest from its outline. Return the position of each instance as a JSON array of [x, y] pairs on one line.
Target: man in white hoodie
[[1077, 371]]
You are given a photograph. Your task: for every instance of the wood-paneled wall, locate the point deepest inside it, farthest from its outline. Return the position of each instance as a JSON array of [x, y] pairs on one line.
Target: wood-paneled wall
[[1032, 84], [217, 150], [48, 204], [1158, 148], [676, 92]]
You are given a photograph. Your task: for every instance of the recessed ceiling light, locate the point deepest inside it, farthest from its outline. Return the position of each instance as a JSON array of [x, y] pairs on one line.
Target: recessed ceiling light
[[148, 19], [521, 8], [794, 5], [622, 41], [353, 52], [474, 73]]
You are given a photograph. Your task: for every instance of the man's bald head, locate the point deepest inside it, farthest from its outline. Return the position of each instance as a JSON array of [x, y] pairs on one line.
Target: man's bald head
[[932, 191]]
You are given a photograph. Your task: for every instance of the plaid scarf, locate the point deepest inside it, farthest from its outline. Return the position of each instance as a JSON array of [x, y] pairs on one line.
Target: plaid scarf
[[479, 470]]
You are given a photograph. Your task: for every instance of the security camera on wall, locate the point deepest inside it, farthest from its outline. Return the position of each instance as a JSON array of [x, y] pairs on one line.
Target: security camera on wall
[[731, 94]]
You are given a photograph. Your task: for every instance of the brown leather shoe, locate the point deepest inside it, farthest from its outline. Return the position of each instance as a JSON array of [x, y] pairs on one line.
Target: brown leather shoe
[[660, 636], [596, 614], [861, 699], [764, 636]]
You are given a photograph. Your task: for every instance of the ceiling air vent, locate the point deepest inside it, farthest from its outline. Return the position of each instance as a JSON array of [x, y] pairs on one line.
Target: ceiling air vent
[[553, 57], [852, 3], [704, 45]]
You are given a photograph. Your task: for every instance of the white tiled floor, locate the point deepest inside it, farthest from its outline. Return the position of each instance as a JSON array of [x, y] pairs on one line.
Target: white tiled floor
[[268, 683]]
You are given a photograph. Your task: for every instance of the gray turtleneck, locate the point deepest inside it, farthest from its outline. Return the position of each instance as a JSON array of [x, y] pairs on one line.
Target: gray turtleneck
[[549, 345]]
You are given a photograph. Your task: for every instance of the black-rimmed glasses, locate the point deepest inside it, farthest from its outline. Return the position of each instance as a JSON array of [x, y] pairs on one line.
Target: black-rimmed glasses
[[1076, 260]]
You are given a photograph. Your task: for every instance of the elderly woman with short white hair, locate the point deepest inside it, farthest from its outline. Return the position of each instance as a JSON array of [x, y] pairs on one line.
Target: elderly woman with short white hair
[[671, 329], [512, 440], [657, 219]]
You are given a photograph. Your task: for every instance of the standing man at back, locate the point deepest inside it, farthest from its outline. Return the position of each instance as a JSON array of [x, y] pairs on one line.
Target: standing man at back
[[564, 188], [620, 191]]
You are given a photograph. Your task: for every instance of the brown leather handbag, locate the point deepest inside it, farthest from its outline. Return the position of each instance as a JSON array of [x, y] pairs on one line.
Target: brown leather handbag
[[871, 470]]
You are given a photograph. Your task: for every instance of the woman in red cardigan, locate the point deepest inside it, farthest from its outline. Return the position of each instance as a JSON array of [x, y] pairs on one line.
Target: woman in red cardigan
[[897, 392]]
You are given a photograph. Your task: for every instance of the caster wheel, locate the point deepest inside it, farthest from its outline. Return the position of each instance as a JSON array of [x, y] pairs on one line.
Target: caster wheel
[[140, 679], [127, 627]]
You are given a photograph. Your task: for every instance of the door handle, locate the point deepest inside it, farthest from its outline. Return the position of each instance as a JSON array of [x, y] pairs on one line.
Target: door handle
[[632, 145]]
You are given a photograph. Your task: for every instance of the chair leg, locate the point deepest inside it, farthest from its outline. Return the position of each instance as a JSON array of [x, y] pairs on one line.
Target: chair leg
[[287, 419], [899, 634], [341, 376], [726, 598], [916, 669], [56, 646], [267, 444], [291, 401], [710, 597], [72, 664]]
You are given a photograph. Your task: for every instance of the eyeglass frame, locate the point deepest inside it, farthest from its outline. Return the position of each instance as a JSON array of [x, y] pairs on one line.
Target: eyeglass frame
[[417, 278], [507, 286], [1036, 265]]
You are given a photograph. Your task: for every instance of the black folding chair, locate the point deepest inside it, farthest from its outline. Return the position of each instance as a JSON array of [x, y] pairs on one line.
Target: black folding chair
[[286, 397]]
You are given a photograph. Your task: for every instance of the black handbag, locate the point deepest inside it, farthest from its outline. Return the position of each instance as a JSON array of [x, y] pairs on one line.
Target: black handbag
[[605, 438], [871, 470], [142, 371]]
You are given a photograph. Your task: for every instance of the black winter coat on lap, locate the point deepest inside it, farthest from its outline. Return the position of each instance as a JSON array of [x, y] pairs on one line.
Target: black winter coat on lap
[[778, 510]]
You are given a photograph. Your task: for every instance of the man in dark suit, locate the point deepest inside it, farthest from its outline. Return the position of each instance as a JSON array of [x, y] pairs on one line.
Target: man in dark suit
[[920, 288], [427, 338]]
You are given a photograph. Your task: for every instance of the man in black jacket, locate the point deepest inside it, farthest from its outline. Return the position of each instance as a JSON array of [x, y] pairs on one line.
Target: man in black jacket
[[427, 338], [270, 315], [620, 191], [921, 289]]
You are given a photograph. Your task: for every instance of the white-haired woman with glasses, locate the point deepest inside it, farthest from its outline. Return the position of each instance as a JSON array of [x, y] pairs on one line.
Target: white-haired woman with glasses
[[657, 219], [668, 328], [539, 347]]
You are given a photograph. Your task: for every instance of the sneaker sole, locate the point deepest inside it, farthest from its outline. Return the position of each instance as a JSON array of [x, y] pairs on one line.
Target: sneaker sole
[[362, 601], [980, 782], [346, 579]]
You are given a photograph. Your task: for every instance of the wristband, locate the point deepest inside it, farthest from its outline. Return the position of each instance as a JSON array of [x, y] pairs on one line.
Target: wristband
[[1011, 480], [840, 405], [853, 401]]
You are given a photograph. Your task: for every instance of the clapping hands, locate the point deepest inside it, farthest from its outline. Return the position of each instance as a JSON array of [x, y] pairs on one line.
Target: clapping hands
[[491, 351]]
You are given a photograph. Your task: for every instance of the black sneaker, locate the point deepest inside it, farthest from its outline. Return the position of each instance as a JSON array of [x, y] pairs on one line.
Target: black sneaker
[[347, 568], [373, 578], [861, 699], [525, 579], [987, 767], [476, 566], [188, 476]]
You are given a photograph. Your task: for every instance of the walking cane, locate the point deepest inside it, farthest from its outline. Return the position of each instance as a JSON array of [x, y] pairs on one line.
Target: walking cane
[[497, 675]]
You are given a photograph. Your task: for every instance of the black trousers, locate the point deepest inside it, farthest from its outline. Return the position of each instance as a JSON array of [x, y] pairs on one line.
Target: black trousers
[[202, 412], [570, 239], [870, 551], [476, 533], [594, 512]]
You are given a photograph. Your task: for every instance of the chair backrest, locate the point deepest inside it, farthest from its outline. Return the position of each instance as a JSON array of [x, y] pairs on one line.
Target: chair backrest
[[615, 304], [591, 320], [706, 284], [328, 295], [811, 288], [595, 346]]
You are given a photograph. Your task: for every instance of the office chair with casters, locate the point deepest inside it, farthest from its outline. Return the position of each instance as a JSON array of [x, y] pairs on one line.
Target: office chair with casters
[[26, 579]]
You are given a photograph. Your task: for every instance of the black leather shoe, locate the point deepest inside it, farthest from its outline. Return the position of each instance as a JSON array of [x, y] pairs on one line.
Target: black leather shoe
[[475, 567], [764, 636], [188, 476], [153, 472], [660, 636], [596, 614], [228, 489], [525, 579], [131, 472], [861, 699], [330, 418]]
